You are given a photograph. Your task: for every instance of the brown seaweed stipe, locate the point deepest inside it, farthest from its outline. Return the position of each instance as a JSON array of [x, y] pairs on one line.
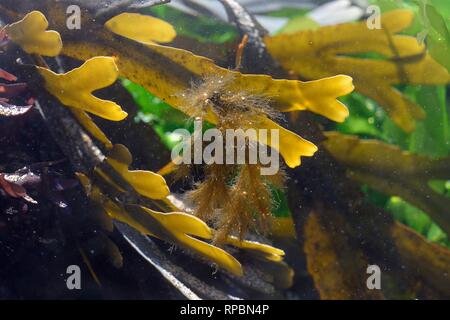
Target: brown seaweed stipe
[[233, 197]]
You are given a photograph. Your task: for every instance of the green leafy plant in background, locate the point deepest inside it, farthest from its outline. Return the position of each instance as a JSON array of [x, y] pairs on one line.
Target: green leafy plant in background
[[297, 20], [162, 117], [435, 19], [416, 219], [432, 23], [200, 27]]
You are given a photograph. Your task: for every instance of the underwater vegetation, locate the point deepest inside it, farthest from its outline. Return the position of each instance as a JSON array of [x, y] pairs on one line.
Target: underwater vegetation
[[90, 105]]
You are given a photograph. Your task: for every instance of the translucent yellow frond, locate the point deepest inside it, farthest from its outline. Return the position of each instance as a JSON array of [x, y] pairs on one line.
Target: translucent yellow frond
[[182, 225], [271, 253], [397, 20], [291, 146], [334, 50], [182, 221], [318, 96], [85, 120], [284, 95], [167, 227], [141, 28], [85, 182], [283, 227], [146, 183], [32, 35], [74, 88], [287, 95], [181, 229]]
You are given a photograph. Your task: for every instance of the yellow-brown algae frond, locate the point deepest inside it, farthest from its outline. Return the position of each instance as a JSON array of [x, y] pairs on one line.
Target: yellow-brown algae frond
[[284, 95], [291, 146], [183, 228], [74, 88], [141, 28], [175, 227], [85, 120], [180, 229], [146, 183], [32, 35], [288, 95], [331, 50]]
